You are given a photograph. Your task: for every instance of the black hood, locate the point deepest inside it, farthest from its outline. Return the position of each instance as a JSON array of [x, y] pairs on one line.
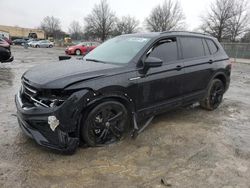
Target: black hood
[[63, 73]]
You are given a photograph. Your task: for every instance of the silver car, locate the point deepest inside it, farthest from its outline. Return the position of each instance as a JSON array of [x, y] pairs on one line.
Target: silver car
[[42, 44]]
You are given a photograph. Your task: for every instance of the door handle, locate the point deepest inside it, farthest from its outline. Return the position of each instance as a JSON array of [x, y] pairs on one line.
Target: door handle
[[210, 61], [178, 67]]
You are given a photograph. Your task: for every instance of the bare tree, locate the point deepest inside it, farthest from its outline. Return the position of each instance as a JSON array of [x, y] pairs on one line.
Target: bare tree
[[51, 26], [168, 16], [75, 30], [239, 23], [126, 25], [226, 19], [100, 22], [246, 37]]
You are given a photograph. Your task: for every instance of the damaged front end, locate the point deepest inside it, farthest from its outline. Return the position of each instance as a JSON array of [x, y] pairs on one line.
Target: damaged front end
[[51, 118]]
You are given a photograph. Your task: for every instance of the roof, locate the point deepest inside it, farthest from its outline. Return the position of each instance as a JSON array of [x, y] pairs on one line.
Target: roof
[[186, 33], [167, 33]]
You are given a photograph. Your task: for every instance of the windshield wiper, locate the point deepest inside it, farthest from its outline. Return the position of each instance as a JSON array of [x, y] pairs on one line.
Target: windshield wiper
[[95, 60]]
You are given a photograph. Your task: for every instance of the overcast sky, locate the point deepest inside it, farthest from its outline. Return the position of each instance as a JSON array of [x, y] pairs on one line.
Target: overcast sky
[[29, 13]]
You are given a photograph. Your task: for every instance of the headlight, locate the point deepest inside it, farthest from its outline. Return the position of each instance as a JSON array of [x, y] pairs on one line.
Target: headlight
[[54, 98]]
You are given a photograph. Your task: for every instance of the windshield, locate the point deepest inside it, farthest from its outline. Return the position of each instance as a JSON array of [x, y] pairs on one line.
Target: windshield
[[79, 44], [118, 50]]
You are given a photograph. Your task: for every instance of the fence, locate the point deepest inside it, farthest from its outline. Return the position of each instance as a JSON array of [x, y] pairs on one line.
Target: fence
[[237, 50]]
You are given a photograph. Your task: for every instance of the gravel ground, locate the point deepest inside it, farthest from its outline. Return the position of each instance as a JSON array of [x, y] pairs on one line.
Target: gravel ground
[[187, 147]]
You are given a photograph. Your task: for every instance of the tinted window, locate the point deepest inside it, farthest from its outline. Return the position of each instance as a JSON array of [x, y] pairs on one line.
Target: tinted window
[[213, 48], [192, 47], [166, 50], [207, 52]]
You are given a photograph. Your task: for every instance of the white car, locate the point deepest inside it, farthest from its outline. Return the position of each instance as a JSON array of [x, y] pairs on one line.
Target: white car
[[30, 41], [42, 44]]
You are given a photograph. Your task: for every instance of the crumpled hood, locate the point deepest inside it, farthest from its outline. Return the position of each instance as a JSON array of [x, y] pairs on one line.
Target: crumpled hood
[[60, 74]]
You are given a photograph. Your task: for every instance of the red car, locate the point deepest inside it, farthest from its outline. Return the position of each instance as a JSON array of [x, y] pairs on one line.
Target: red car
[[82, 48]]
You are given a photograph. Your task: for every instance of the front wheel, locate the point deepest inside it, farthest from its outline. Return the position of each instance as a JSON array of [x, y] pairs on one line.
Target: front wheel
[[78, 52], [214, 95], [106, 123]]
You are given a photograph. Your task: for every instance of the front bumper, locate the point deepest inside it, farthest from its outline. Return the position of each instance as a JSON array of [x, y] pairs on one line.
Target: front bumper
[[69, 52], [8, 60], [34, 123]]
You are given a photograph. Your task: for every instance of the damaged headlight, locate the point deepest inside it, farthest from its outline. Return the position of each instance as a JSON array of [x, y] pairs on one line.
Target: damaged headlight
[[54, 98]]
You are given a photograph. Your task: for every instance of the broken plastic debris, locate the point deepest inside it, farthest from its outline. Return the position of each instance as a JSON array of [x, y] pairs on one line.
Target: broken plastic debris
[[53, 122]]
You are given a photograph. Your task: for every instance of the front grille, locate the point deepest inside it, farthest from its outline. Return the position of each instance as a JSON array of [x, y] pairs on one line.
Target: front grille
[[28, 93], [28, 89]]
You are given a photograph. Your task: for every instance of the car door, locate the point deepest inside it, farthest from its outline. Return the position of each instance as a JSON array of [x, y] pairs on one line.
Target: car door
[[45, 44], [161, 86], [41, 44], [91, 47], [198, 66]]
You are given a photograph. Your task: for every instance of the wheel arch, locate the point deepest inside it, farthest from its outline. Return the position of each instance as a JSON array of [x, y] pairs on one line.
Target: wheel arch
[[123, 99], [78, 49], [221, 76]]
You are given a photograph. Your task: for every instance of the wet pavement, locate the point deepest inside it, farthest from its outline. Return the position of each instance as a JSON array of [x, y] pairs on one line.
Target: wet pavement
[[187, 147]]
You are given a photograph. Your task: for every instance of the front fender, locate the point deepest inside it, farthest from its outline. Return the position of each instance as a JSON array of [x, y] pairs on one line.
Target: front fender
[[69, 113]]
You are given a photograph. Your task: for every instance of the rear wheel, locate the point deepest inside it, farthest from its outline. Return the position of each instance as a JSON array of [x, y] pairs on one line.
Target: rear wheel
[[106, 123], [214, 95], [50, 46], [37, 46], [78, 52]]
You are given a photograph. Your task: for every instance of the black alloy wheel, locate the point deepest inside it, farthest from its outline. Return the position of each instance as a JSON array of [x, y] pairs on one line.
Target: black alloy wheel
[[214, 95], [105, 124]]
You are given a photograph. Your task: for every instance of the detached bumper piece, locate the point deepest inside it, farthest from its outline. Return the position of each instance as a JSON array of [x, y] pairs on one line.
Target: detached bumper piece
[[34, 123]]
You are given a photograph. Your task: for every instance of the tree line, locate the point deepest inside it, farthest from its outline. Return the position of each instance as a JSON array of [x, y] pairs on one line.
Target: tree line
[[227, 20]]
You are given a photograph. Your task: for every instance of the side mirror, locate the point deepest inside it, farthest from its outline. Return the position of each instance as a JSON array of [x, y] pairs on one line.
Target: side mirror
[[152, 62]]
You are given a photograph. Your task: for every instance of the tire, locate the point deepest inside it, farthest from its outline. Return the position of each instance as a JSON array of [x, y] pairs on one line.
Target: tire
[[78, 52], [37, 46], [50, 46], [214, 95], [106, 123]]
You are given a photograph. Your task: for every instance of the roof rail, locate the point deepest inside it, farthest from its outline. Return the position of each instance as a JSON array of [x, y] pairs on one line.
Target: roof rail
[[191, 32]]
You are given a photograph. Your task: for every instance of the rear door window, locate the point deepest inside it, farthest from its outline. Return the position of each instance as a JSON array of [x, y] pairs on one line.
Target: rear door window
[[192, 47], [166, 50]]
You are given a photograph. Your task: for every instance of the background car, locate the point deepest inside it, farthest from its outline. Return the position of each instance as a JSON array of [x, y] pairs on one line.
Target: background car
[[82, 48], [5, 53], [42, 44], [30, 41], [19, 41]]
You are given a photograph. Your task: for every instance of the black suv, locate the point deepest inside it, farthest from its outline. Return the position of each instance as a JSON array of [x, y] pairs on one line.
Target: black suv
[[122, 82]]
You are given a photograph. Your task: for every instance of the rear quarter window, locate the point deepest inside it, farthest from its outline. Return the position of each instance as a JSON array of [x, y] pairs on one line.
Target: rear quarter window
[[192, 47], [212, 46]]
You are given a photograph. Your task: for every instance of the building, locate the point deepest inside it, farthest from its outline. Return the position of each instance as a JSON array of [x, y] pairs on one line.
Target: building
[[19, 32]]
